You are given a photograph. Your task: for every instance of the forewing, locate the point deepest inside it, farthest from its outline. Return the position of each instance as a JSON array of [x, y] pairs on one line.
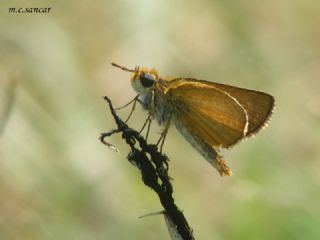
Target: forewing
[[208, 112]]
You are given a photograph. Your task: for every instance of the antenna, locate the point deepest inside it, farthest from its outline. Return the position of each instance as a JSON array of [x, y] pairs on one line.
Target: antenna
[[123, 68]]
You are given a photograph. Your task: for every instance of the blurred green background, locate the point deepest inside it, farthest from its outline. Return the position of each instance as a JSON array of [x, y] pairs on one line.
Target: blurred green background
[[57, 181]]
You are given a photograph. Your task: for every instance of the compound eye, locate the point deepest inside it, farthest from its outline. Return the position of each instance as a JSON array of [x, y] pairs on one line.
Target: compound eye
[[147, 80]]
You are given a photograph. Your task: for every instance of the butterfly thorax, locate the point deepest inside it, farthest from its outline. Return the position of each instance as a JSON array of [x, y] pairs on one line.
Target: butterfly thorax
[[157, 106]]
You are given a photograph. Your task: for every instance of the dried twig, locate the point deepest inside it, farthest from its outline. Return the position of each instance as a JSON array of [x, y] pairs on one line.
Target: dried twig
[[153, 166]]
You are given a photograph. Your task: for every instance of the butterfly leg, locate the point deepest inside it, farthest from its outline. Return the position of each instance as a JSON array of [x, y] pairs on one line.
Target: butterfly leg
[[127, 104], [164, 134], [134, 101], [147, 123]]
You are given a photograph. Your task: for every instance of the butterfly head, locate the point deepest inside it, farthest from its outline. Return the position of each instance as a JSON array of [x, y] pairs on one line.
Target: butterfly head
[[142, 79]]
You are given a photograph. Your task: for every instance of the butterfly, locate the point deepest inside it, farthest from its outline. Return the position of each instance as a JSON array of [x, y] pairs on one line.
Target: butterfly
[[209, 115]]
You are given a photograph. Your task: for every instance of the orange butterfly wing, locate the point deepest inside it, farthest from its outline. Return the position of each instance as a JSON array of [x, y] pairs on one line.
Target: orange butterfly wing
[[207, 112]]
